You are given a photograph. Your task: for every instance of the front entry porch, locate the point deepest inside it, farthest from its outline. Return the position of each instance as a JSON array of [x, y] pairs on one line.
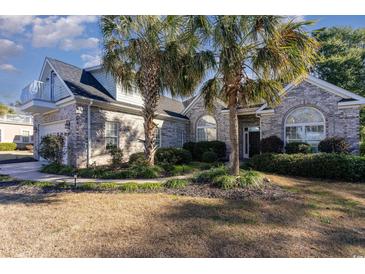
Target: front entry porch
[[249, 136]]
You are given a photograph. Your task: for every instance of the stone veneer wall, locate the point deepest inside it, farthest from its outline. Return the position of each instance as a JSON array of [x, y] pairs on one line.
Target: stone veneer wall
[[131, 134], [339, 122], [222, 118]]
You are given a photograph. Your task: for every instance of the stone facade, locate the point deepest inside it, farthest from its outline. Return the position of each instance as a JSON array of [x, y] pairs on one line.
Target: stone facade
[[222, 118], [131, 134], [174, 132], [338, 122]]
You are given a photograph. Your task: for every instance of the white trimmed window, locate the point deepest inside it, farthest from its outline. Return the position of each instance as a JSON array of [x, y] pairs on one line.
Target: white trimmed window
[[111, 133], [158, 139], [305, 124], [25, 136], [206, 129]]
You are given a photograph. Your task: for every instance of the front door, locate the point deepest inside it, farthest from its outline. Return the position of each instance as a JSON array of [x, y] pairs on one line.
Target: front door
[[251, 142], [254, 137]]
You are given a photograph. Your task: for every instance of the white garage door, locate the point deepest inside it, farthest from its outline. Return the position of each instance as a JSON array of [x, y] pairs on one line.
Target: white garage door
[[54, 128]]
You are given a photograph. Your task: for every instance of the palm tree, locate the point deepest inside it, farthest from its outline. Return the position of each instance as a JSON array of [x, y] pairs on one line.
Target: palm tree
[[258, 55], [155, 54]]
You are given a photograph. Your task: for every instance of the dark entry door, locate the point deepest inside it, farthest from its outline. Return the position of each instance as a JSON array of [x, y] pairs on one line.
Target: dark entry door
[[254, 143]]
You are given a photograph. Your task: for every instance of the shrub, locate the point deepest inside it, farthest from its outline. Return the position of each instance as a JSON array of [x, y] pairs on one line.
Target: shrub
[[190, 146], [176, 183], [209, 157], [86, 172], [251, 179], [362, 148], [216, 146], [53, 168], [120, 174], [66, 170], [128, 187], [7, 146], [150, 186], [173, 170], [320, 165], [63, 185], [225, 181], [51, 148], [207, 176], [145, 171], [117, 155], [137, 158], [173, 156], [334, 144], [88, 186], [297, 147], [272, 144], [106, 186], [181, 169], [39, 184]]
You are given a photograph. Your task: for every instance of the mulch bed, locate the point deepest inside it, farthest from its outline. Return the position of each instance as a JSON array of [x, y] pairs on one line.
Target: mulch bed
[[268, 191]]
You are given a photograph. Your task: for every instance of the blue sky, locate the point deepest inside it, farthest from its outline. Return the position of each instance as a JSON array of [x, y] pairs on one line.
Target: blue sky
[[26, 40]]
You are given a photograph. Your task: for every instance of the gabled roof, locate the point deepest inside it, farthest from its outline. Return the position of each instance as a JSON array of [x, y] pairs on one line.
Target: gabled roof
[[348, 98], [83, 84], [80, 82]]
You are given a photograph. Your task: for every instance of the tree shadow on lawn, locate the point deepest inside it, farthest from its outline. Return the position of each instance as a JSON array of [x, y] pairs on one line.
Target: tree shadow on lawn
[[249, 228], [26, 198], [201, 229]]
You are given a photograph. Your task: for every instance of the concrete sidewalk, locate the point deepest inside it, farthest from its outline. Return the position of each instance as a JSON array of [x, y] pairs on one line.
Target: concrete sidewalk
[[30, 171]]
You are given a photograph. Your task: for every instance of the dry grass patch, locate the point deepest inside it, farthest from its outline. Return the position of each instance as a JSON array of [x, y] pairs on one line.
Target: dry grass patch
[[317, 220]]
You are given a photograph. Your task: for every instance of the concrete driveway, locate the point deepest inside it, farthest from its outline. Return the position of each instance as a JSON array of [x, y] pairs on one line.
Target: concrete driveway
[[16, 156], [30, 171]]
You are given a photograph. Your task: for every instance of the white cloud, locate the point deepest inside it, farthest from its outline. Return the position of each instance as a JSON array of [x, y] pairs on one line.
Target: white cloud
[[76, 44], [54, 30], [9, 49], [91, 60], [8, 68], [12, 24]]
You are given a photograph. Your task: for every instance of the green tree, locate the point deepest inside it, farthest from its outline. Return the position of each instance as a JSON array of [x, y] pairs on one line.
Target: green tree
[[342, 57], [154, 54], [257, 55], [4, 109], [342, 60]]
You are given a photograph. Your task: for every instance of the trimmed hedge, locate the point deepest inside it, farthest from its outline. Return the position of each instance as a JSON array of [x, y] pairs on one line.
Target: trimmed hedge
[[137, 158], [7, 146], [320, 165], [298, 147], [334, 144], [197, 149], [209, 157], [271, 144], [173, 156]]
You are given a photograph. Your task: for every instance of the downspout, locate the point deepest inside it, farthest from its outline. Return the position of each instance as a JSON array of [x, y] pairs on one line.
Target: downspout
[[89, 133]]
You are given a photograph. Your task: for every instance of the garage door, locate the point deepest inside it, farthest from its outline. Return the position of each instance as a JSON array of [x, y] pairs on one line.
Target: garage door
[[54, 128]]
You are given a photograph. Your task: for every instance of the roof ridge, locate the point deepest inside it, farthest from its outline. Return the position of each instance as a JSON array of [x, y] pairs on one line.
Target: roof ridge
[[54, 59]]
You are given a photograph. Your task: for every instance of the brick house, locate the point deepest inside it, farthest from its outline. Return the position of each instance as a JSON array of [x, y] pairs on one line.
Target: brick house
[[91, 110]]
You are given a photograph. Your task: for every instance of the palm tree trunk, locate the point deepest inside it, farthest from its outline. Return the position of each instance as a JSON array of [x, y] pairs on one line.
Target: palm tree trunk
[[150, 96], [233, 134]]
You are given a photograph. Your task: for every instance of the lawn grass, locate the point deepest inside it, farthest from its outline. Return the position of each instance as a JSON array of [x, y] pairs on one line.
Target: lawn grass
[[319, 219]]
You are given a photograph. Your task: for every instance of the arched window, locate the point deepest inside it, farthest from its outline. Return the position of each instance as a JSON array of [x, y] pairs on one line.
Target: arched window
[[305, 124], [206, 129]]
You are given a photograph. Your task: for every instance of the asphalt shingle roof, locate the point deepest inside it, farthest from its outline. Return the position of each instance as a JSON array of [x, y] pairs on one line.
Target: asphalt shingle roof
[[82, 83]]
